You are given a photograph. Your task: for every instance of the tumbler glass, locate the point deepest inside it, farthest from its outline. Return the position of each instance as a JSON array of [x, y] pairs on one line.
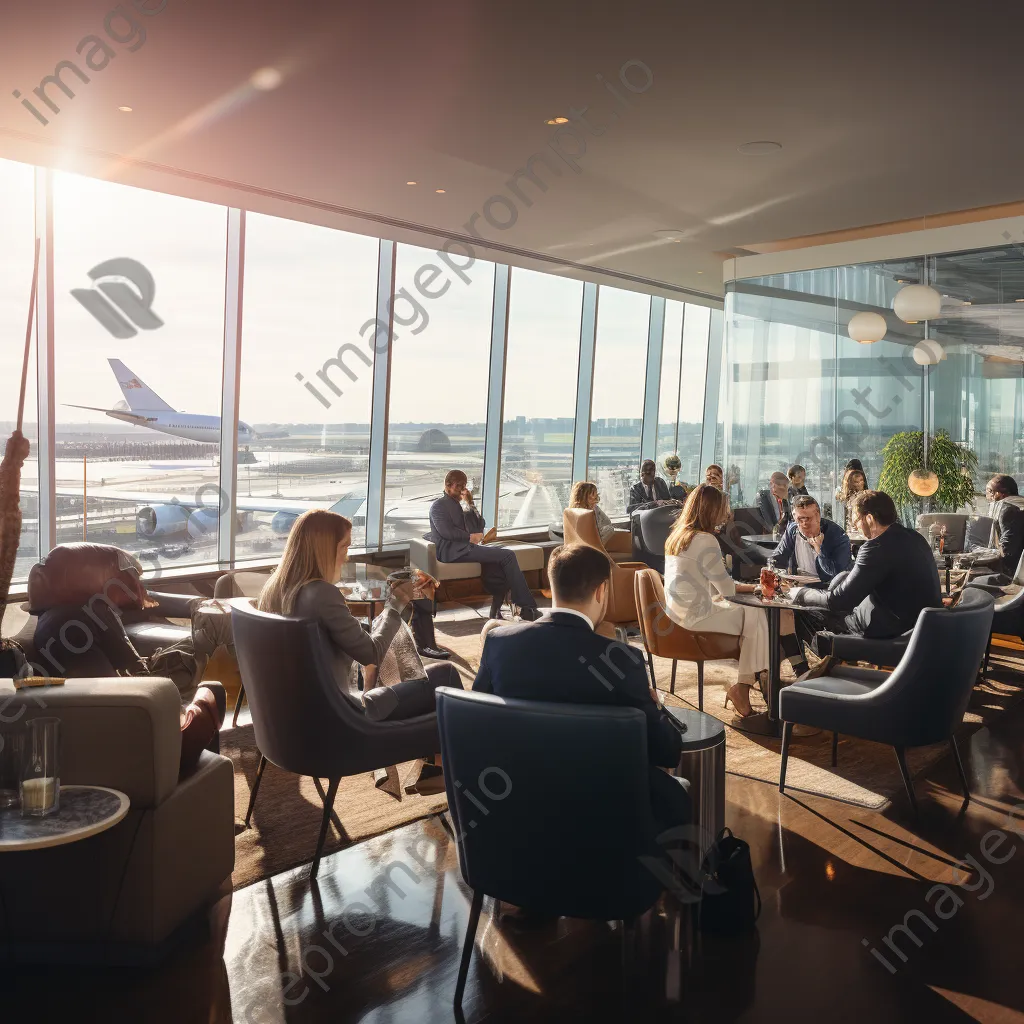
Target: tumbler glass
[[40, 770]]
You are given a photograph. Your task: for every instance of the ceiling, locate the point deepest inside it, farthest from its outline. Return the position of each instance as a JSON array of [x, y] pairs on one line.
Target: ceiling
[[884, 112]]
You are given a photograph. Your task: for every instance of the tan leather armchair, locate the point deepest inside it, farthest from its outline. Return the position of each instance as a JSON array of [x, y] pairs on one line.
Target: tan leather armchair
[[667, 639], [579, 526]]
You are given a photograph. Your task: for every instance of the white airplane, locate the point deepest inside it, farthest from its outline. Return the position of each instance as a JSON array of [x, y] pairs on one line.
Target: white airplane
[[145, 408]]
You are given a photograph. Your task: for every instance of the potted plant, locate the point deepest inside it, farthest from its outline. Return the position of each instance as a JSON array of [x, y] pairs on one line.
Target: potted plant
[[951, 461]]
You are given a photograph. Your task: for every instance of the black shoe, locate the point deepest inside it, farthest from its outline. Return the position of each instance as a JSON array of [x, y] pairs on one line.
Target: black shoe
[[530, 614], [437, 653], [496, 603]]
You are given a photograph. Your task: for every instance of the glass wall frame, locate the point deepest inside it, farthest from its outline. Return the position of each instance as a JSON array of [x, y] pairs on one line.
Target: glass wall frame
[[224, 494]]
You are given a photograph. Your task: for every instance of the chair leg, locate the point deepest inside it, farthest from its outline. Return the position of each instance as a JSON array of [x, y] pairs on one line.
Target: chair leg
[[960, 769], [673, 684], [650, 665], [238, 705], [901, 757], [255, 788], [467, 946], [700, 685], [332, 792], [835, 749], [787, 735], [323, 799]]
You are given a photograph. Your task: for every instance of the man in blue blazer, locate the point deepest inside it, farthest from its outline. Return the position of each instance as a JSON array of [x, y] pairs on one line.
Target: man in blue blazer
[[456, 542], [560, 658], [812, 546]]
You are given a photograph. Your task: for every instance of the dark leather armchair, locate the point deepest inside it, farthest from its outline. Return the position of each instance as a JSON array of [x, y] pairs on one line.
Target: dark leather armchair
[[302, 720], [921, 702], [650, 529], [1008, 617], [529, 831]]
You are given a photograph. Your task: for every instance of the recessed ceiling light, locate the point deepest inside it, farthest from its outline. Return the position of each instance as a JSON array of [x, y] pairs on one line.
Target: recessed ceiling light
[[125, 110], [439, 191], [762, 148], [899, 280], [266, 79], [700, 271], [557, 120], [967, 302], [1018, 300], [410, 183]]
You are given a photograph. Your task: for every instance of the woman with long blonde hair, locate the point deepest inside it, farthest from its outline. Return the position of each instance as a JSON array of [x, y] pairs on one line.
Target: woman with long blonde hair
[[854, 481], [585, 495], [304, 585], [697, 586]]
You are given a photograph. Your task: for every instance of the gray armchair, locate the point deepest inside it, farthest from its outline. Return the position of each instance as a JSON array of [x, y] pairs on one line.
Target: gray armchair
[[921, 702], [118, 896]]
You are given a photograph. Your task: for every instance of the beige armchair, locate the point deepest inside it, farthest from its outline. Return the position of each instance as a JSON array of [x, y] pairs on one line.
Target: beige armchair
[[119, 895], [579, 526]]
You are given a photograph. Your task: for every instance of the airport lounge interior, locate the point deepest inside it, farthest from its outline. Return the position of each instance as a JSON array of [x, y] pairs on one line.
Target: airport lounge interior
[[400, 406]]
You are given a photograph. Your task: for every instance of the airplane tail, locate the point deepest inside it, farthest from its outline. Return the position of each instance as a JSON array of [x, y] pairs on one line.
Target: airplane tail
[[136, 394]]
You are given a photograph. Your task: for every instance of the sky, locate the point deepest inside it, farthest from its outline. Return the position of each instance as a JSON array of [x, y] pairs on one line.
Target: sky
[[307, 290]]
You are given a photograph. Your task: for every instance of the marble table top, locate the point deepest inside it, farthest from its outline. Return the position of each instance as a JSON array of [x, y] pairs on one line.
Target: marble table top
[[84, 811]]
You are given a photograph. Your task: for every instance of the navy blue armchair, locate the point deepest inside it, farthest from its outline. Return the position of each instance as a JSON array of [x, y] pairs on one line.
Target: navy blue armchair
[[921, 702], [302, 720], [550, 806]]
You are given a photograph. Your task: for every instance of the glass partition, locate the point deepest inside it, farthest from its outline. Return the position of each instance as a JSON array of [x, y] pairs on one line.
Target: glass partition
[[439, 368], [16, 253], [541, 366], [306, 378], [616, 418], [139, 328]]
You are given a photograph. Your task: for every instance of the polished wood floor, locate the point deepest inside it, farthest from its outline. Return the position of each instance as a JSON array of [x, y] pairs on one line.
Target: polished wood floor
[[833, 877]]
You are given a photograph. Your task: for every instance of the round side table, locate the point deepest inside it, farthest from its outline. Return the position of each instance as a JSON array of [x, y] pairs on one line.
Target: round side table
[[84, 811], [702, 761]]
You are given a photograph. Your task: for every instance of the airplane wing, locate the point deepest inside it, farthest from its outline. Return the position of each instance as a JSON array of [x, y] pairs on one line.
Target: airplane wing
[[117, 414]]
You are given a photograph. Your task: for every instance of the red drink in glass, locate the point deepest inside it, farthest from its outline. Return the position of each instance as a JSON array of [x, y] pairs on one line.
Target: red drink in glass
[[768, 583]]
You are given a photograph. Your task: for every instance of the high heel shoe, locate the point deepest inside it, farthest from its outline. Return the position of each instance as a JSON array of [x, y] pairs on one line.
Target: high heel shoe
[[731, 694]]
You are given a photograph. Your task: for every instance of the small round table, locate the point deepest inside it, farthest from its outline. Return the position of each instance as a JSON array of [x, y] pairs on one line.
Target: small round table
[[702, 761], [766, 723], [84, 811]]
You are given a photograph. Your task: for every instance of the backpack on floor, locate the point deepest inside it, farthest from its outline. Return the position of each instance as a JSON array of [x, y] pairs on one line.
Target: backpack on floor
[[730, 901]]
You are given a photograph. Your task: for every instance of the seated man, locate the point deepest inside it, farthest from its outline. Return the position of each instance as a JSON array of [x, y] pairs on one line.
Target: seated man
[[650, 491], [561, 658], [1008, 528], [455, 543], [773, 501], [892, 580]]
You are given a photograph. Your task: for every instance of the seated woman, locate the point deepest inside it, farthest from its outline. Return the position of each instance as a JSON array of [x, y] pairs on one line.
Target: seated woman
[[854, 481], [696, 585], [304, 585], [585, 495], [87, 639]]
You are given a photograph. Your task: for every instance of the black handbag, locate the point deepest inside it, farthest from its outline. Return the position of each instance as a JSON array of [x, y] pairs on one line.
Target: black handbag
[[730, 901]]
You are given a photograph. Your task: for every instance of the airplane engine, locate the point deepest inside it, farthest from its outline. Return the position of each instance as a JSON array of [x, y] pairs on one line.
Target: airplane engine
[[203, 523], [283, 522], [161, 521]]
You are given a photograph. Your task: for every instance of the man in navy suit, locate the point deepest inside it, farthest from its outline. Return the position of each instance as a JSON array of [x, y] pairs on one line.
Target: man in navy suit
[[649, 491], [456, 543], [560, 658], [773, 501]]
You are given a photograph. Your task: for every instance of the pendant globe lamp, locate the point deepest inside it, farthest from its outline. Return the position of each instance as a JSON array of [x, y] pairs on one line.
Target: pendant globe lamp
[[867, 327], [917, 302], [914, 303]]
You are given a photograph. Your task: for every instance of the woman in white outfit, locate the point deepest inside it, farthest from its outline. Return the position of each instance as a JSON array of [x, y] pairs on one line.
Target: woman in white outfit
[[697, 585]]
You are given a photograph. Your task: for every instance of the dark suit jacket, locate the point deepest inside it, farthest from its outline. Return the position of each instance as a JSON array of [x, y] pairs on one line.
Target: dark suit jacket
[[893, 578], [769, 507], [835, 553], [1009, 518], [449, 529], [559, 658], [638, 494]]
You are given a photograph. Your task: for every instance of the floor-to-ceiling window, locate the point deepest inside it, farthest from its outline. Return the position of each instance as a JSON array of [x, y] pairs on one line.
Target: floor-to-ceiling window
[[17, 240], [139, 326], [620, 360], [309, 301], [541, 366], [692, 379], [668, 394], [439, 368]]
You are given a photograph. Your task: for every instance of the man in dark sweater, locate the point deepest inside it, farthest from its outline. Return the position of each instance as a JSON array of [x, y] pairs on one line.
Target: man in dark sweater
[[560, 658], [1008, 529], [892, 580]]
